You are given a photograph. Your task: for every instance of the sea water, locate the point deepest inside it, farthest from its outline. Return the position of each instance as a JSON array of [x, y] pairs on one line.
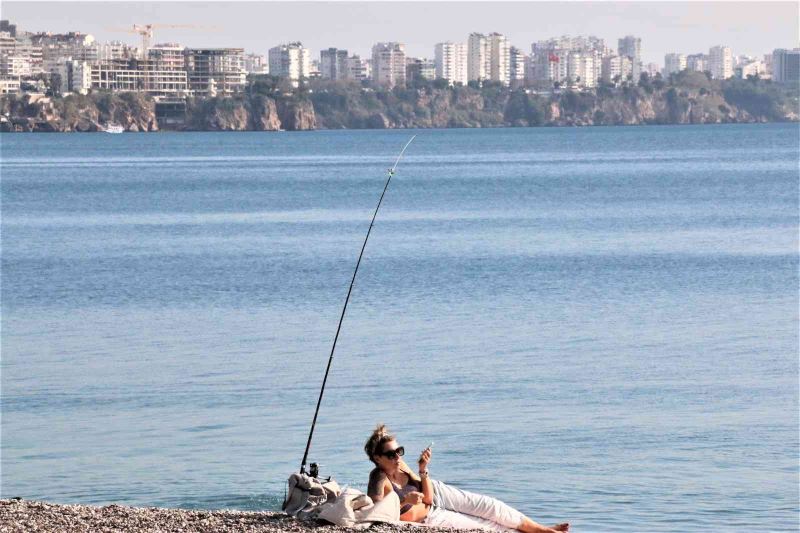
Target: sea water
[[596, 325]]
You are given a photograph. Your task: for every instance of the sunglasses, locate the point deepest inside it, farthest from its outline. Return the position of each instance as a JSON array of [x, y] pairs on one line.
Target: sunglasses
[[397, 452]]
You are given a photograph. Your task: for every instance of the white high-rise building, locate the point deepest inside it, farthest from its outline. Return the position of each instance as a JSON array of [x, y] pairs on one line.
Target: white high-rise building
[[674, 63], [389, 64], [587, 70], [479, 57], [577, 59], [499, 58], [550, 65], [616, 68], [451, 62], [291, 61], [631, 47], [720, 62], [489, 58], [580, 69]]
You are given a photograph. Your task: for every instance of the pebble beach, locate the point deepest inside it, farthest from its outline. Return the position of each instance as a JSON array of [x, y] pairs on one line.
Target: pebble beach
[[24, 516]]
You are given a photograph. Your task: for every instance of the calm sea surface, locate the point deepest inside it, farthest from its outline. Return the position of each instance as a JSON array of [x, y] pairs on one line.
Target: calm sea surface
[[597, 325]]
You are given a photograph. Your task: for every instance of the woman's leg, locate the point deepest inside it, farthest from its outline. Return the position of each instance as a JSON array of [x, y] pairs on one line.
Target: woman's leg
[[439, 517], [486, 507]]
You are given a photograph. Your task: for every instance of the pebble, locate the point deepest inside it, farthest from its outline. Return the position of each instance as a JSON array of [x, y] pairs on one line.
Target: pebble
[[24, 516]]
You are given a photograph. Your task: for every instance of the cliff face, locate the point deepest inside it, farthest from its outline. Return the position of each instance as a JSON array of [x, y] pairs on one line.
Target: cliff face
[[689, 98], [257, 113], [297, 114], [134, 112], [264, 114], [217, 114]]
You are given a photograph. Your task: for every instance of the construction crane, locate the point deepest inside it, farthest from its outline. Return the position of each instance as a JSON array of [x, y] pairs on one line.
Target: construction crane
[[146, 32]]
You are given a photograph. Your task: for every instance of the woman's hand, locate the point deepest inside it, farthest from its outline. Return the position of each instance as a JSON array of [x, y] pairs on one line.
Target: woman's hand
[[424, 459], [413, 498]]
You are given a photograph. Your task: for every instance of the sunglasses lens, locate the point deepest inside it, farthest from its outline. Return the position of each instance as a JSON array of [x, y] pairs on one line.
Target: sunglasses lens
[[397, 452]]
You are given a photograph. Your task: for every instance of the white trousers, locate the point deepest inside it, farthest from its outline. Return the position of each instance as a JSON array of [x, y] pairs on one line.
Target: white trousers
[[456, 508]]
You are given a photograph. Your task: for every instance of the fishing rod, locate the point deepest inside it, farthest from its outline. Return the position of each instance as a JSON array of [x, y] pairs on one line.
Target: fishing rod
[[346, 300]]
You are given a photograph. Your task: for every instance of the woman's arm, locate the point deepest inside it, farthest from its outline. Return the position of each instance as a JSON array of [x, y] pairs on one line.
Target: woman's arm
[[425, 481], [378, 485], [427, 489]]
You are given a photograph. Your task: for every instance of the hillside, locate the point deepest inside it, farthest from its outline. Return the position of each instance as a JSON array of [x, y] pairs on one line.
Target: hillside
[[686, 98]]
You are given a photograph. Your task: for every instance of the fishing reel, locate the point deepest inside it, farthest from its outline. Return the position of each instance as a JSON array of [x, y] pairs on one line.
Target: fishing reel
[[313, 471]]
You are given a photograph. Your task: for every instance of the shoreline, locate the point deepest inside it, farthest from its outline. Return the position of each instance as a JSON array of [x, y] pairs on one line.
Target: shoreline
[[22, 516], [498, 127]]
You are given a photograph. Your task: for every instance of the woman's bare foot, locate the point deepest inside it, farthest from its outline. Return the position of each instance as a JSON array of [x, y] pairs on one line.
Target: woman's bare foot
[[529, 526]]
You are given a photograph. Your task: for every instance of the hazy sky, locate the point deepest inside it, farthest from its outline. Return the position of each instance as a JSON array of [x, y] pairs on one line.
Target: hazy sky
[[687, 27]]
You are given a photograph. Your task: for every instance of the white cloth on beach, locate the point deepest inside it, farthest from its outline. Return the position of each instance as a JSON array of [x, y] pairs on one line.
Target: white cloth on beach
[[353, 508], [308, 498], [456, 508]]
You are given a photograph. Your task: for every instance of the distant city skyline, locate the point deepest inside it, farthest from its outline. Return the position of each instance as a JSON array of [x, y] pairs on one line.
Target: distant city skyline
[[747, 27]]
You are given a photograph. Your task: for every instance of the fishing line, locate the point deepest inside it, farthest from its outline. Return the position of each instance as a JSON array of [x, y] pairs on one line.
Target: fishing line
[[346, 300]]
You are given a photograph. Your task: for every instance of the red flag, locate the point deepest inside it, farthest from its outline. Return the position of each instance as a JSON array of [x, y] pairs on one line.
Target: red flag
[[553, 58]]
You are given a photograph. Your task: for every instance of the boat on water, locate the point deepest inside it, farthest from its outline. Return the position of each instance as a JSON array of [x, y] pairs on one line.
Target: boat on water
[[113, 128]]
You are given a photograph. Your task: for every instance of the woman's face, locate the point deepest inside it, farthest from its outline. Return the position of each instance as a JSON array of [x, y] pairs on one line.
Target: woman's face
[[388, 459]]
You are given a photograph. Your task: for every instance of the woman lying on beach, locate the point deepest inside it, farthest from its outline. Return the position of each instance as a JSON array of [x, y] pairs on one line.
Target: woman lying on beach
[[431, 502]]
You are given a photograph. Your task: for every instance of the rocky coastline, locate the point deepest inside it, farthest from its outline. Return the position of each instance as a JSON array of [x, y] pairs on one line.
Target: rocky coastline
[[688, 98], [24, 516]]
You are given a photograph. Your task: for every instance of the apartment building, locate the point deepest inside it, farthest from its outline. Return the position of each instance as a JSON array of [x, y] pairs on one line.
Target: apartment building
[[499, 58], [489, 57], [389, 64], [291, 61], [256, 64], [631, 47], [333, 64], [420, 68], [219, 68], [450, 60], [720, 62], [577, 60], [786, 65], [697, 62], [358, 69], [115, 50], [479, 57], [616, 68], [75, 76], [518, 62], [674, 63], [150, 76], [751, 68]]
